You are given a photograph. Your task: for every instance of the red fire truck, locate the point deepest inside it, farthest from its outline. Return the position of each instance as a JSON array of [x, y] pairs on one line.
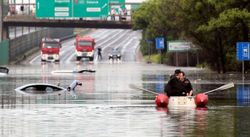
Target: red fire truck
[[50, 49], [84, 47]]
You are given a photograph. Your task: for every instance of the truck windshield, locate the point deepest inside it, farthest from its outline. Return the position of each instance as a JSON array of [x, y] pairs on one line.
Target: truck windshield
[[85, 43], [51, 45]]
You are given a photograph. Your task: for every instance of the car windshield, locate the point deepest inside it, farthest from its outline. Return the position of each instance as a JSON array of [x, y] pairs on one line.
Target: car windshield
[[115, 52], [85, 43], [51, 45]]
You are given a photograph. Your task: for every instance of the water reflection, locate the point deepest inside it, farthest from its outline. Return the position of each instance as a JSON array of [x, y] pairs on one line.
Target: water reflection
[[107, 107], [183, 121], [243, 95], [201, 121], [158, 85]]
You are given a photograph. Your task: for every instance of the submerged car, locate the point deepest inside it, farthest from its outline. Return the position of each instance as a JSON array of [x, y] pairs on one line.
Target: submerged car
[[39, 89], [73, 71], [46, 89], [4, 71], [115, 55]]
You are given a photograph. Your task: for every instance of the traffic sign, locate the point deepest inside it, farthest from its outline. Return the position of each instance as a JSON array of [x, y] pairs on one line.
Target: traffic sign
[[178, 46], [53, 8], [159, 43], [243, 51], [116, 4], [74, 8], [90, 8]]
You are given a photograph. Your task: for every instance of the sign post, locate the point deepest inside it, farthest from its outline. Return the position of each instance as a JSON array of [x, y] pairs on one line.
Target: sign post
[[243, 54], [179, 46], [90, 8], [160, 45], [149, 42]]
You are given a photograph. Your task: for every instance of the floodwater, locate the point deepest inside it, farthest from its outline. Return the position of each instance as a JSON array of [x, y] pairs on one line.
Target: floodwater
[[105, 105]]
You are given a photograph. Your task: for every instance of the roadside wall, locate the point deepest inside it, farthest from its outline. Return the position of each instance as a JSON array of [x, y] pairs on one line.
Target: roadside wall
[[19, 46]]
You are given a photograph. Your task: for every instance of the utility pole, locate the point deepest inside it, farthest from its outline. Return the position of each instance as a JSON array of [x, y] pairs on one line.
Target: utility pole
[[3, 29]]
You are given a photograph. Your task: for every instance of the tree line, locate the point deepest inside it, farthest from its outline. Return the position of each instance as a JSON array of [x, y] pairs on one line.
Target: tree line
[[214, 26]]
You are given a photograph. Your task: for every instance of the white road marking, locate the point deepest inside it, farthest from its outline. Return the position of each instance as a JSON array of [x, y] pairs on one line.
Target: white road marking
[[102, 36]]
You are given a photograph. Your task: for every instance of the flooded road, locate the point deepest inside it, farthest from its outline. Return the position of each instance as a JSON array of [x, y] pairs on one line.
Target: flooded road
[[105, 105]]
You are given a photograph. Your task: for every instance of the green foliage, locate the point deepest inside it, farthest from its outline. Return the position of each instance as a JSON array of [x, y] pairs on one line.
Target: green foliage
[[156, 58], [213, 25], [226, 19], [202, 65]]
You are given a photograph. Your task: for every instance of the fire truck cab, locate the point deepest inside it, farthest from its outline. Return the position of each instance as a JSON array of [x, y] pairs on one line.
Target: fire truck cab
[[84, 47], [50, 49]]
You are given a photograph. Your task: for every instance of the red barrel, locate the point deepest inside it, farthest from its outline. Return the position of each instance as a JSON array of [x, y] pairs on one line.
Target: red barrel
[[201, 100], [161, 100]]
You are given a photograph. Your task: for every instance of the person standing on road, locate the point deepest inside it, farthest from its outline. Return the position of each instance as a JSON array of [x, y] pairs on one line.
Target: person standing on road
[[120, 11], [99, 53], [113, 14], [125, 11]]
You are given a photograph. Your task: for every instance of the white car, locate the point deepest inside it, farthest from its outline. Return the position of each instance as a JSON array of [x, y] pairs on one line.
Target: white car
[[115, 55]]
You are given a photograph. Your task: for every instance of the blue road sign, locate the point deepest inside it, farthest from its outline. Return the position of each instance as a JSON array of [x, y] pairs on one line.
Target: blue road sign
[[243, 51], [159, 43]]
